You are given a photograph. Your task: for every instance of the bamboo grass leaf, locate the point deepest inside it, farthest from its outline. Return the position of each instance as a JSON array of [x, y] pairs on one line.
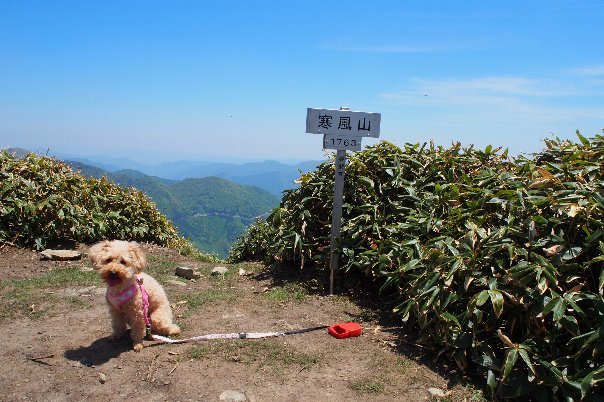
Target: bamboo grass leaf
[[497, 301], [509, 361]]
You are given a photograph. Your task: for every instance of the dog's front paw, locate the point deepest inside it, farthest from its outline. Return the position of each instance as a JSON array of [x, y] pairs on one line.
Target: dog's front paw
[[138, 347]]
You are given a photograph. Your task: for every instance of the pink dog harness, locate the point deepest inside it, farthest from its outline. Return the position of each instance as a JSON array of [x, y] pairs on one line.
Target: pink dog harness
[[118, 300]]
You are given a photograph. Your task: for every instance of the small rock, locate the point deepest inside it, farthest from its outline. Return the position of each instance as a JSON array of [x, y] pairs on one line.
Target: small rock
[[220, 270], [436, 392], [232, 396], [71, 293], [102, 378], [241, 272], [89, 289], [186, 272], [231, 316], [61, 255], [177, 283], [86, 269]]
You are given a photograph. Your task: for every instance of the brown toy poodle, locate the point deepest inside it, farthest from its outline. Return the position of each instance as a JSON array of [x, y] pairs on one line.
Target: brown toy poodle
[[134, 298]]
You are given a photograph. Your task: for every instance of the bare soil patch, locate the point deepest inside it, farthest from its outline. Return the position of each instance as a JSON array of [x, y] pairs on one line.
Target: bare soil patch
[[54, 330]]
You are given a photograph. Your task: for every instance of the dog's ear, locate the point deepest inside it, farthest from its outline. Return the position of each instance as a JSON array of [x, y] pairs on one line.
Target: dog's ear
[[138, 257], [97, 252]]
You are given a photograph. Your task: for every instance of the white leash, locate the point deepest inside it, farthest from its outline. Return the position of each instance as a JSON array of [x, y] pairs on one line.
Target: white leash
[[235, 335]]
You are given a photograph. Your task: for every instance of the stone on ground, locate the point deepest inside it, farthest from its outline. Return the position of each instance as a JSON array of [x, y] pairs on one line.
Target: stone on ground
[[232, 396], [61, 255], [436, 392], [220, 270], [186, 272]]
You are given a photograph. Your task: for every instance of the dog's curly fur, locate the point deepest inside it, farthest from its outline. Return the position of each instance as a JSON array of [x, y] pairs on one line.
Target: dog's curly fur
[[119, 262]]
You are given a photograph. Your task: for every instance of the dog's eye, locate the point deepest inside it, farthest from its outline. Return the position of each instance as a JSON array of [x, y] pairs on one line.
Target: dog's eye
[[123, 261], [107, 260]]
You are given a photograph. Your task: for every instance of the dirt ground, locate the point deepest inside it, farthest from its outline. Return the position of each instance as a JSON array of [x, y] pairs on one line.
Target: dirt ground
[[55, 347]]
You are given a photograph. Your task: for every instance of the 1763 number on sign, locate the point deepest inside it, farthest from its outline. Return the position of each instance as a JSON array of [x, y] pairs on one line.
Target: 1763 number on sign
[[341, 142]]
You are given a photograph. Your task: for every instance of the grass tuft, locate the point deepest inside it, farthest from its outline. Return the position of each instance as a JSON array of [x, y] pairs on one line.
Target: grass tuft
[[288, 292], [264, 353], [32, 297]]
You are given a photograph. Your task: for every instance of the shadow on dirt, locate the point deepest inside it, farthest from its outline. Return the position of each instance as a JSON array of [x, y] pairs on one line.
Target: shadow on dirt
[[376, 307], [100, 351]]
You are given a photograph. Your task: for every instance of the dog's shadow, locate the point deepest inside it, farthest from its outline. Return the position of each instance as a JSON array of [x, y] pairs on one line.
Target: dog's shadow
[[100, 351]]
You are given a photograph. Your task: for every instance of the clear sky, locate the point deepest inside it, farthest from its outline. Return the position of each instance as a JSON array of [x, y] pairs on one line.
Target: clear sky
[[157, 81]]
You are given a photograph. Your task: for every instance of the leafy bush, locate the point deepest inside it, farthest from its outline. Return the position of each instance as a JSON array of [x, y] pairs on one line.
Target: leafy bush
[[253, 244], [42, 201], [498, 261]]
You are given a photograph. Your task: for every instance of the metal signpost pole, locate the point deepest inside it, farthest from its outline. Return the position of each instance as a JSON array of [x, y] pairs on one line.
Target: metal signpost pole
[[336, 215]]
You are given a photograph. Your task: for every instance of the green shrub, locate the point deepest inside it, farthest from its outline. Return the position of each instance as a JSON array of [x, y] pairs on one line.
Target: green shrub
[[498, 261], [252, 245], [42, 202]]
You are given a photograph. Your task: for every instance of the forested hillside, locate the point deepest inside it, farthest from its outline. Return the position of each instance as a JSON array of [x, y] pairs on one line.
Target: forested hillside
[[214, 212], [211, 211]]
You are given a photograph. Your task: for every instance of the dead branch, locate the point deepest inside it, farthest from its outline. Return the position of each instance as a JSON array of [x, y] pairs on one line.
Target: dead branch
[[39, 359], [173, 368], [151, 366]]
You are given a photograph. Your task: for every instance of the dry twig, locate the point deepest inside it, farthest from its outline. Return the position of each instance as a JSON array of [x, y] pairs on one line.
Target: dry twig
[[39, 359], [150, 366], [173, 368]]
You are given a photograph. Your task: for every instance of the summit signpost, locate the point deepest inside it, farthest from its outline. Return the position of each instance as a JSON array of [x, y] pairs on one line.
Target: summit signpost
[[342, 130]]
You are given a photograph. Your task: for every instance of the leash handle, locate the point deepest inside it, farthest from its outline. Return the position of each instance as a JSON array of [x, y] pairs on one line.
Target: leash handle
[[345, 330]]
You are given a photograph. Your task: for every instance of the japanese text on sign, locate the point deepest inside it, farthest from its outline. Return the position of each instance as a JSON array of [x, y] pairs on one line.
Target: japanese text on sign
[[340, 165], [342, 123]]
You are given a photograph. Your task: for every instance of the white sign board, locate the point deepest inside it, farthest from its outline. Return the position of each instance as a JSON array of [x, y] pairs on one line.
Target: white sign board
[[343, 123]]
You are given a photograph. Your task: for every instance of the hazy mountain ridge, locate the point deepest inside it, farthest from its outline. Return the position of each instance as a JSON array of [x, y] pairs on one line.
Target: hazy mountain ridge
[[270, 175]]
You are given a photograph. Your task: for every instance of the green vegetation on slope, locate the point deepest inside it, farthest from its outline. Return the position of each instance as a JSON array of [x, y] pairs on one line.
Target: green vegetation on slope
[[222, 197], [498, 262], [212, 212], [42, 202]]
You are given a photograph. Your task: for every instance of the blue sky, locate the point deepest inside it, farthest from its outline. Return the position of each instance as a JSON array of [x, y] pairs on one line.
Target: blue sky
[[157, 81]]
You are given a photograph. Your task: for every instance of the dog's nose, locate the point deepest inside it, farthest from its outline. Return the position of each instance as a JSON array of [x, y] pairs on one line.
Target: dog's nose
[[113, 274]]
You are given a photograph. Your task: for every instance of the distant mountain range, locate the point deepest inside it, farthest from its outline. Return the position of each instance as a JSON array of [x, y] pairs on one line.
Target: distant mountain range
[[273, 176], [211, 211]]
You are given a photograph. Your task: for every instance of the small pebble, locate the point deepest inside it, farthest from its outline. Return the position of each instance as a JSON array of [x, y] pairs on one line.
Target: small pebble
[[232, 396], [219, 270], [436, 392]]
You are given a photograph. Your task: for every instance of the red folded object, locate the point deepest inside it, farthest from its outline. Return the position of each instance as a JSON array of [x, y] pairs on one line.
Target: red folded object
[[345, 330]]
